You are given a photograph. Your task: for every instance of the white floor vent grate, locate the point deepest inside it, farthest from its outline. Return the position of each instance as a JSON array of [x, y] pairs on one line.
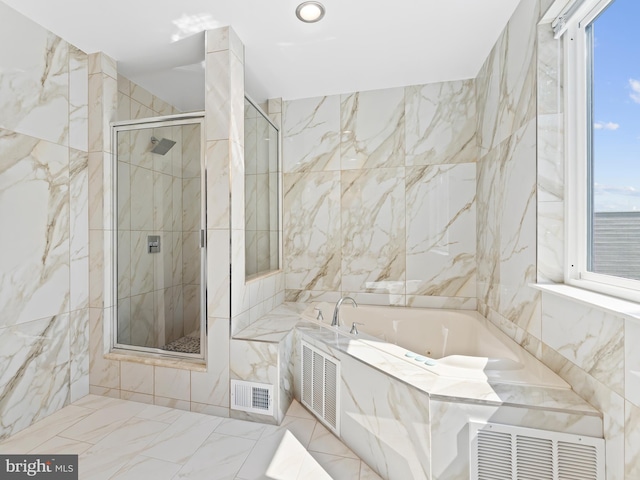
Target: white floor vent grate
[[252, 397], [320, 386], [504, 452]]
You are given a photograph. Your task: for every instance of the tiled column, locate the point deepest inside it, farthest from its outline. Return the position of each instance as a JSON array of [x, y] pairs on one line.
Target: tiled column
[[224, 160], [103, 100]]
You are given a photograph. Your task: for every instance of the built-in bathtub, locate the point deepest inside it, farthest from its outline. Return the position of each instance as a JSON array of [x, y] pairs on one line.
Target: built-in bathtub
[[449, 343], [403, 418]]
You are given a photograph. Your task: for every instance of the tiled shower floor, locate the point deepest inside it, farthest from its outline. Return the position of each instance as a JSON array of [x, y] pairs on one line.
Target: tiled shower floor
[[118, 439]]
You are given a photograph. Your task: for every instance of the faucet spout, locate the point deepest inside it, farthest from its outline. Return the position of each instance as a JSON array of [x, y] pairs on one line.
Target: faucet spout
[[336, 312]]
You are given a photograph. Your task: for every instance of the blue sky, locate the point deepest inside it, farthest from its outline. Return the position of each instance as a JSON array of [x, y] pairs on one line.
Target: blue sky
[[617, 107]]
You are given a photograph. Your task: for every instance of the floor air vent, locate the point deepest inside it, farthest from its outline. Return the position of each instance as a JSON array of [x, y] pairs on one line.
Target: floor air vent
[[320, 386], [252, 397], [503, 452]]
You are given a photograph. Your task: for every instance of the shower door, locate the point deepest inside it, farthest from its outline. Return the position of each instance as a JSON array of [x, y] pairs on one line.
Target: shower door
[[159, 239]]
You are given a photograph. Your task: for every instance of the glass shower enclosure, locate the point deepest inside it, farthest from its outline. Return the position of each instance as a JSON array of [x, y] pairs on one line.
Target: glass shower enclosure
[[159, 236]]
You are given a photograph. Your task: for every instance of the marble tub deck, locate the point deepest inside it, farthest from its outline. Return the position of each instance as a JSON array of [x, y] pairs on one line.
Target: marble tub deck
[[119, 439], [278, 323]]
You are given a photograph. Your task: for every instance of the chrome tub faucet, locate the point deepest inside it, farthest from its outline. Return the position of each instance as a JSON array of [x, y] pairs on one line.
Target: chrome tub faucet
[[336, 317]]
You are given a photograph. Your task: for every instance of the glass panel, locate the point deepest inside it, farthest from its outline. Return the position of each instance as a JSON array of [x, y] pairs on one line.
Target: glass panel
[[159, 217], [614, 154], [261, 193]]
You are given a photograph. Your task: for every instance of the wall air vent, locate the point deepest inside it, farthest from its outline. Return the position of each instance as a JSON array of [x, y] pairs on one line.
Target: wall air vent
[[321, 386], [504, 452], [252, 397]]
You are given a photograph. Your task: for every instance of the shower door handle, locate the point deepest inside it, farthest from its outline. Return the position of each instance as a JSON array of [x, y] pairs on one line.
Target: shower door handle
[[202, 239]]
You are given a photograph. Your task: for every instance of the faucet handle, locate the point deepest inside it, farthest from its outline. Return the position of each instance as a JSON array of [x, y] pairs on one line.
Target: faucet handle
[[319, 316], [354, 328]]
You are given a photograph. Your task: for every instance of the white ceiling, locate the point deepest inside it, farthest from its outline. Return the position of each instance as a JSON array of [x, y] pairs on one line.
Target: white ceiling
[[359, 45]]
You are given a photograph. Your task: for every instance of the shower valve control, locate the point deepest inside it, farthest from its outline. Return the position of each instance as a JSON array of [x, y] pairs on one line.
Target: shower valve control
[[153, 243]]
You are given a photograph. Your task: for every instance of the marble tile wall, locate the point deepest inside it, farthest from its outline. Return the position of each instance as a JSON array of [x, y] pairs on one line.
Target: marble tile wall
[[592, 350], [506, 197], [134, 102], [380, 196], [44, 264], [104, 374]]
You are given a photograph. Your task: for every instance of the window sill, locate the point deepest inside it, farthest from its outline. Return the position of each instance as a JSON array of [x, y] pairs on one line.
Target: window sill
[[600, 301]]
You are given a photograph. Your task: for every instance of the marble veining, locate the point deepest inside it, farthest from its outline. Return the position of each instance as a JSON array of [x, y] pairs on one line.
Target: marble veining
[[35, 380], [313, 237], [373, 230], [368, 147], [35, 80], [372, 129], [441, 230], [34, 279], [441, 123], [590, 339], [311, 133], [506, 82]]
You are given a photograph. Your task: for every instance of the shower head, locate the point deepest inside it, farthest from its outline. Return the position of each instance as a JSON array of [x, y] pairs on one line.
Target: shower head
[[161, 147]]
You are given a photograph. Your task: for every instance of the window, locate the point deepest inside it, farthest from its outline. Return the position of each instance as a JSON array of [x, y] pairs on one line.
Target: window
[[603, 145]]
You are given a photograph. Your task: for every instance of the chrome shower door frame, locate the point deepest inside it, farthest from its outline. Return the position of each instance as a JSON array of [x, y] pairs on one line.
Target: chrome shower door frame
[[193, 118]]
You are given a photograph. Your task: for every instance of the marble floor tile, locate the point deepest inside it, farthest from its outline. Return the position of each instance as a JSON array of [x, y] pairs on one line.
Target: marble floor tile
[[219, 458], [311, 469], [44, 430], [144, 467], [118, 448], [183, 437], [240, 428], [323, 441], [161, 414], [367, 473], [298, 411], [123, 440], [300, 428], [278, 454], [338, 468], [102, 422], [62, 445]]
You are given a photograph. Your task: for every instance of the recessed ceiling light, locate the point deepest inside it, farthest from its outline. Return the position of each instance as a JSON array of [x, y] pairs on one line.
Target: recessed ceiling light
[[310, 12]]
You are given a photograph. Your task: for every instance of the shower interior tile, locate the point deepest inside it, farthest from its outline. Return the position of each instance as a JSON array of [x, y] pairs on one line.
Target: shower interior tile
[[190, 204], [141, 145], [162, 201], [263, 202], [163, 263], [164, 163], [250, 202], [141, 263], [143, 325], [191, 164], [191, 258], [176, 258], [124, 263], [124, 196], [191, 308], [176, 192], [124, 321], [263, 251], [141, 198]]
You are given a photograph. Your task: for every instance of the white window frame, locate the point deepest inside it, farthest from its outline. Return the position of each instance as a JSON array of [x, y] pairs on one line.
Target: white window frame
[[576, 178]]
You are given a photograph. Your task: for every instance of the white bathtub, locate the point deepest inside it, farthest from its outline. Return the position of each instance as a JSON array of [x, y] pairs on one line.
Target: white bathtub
[[450, 343]]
